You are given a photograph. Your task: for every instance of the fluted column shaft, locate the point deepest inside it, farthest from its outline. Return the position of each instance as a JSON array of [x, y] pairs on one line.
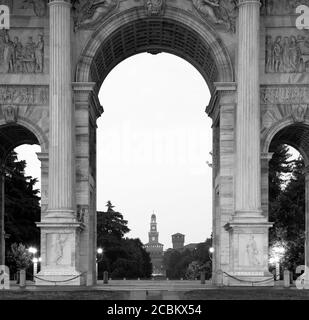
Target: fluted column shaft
[[248, 165], [307, 216], [2, 233], [61, 150]]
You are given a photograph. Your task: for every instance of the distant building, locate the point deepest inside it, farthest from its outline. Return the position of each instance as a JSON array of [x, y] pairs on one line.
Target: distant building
[[155, 248], [178, 241]]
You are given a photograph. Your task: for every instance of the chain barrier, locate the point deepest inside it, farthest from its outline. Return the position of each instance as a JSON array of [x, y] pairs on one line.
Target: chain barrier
[[252, 282], [54, 281]]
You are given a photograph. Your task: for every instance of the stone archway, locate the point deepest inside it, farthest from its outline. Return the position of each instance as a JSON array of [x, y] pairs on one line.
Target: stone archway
[[294, 132], [69, 70], [133, 32], [12, 135]]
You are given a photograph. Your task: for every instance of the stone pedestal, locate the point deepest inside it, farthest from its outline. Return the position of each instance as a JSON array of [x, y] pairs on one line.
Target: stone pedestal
[[249, 254]]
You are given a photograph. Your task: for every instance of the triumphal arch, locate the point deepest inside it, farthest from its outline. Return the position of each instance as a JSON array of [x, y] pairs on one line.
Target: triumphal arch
[[54, 58]]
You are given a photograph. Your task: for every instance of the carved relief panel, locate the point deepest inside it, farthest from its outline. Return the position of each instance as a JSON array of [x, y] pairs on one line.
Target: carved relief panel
[[21, 51], [280, 7], [287, 51], [27, 7], [59, 248], [250, 250]]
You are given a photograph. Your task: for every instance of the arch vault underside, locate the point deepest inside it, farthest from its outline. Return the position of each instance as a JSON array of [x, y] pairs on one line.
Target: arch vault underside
[[49, 95]]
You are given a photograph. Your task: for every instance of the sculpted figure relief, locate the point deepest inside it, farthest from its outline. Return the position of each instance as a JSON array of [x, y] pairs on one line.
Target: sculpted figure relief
[[154, 7], [16, 57], [218, 11], [39, 6], [253, 252], [281, 7], [87, 13], [287, 54]]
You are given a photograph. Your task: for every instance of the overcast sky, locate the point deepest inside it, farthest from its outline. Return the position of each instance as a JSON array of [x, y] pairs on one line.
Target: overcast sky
[[154, 140]]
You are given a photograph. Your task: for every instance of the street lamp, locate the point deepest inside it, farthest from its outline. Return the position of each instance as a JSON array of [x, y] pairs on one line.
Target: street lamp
[[35, 260], [276, 254], [211, 251], [33, 250], [35, 265], [99, 258]]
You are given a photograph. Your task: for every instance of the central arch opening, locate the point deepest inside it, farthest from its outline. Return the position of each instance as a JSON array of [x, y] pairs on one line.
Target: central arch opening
[[153, 144], [177, 34]]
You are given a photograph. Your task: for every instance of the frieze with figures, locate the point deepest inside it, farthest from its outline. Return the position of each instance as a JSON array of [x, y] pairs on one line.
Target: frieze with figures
[[285, 95], [21, 54], [287, 53], [281, 7], [24, 95], [27, 7]]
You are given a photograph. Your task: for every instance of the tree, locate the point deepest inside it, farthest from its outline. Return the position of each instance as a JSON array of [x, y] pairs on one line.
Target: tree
[[22, 205], [122, 257], [111, 226], [287, 207], [188, 263]]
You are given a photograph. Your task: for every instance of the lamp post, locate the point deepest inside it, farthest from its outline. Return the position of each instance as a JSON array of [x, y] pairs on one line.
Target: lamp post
[[35, 260], [210, 252], [35, 265], [99, 258], [277, 253]]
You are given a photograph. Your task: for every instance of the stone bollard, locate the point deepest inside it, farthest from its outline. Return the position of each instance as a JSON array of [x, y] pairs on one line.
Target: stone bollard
[[218, 279], [105, 277], [286, 277], [22, 278], [203, 277], [181, 279]]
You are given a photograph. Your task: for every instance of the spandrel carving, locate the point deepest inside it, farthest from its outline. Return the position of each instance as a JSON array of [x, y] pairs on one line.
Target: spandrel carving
[[89, 13], [220, 12]]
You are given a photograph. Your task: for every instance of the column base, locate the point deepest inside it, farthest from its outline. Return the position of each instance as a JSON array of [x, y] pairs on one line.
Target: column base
[[248, 252], [60, 277]]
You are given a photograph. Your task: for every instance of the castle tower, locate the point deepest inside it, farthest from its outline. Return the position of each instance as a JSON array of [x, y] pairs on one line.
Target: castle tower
[[178, 241], [155, 248]]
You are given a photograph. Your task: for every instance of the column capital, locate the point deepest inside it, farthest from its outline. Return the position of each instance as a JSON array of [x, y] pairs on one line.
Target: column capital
[[83, 86], [65, 3], [267, 155], [42, 156], [248, 2]]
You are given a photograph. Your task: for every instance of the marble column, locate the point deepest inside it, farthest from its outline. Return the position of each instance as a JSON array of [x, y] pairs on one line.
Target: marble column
[[61, 153], [248, 165], [2, 233], [248, 227], [307, 218], [60, 228]]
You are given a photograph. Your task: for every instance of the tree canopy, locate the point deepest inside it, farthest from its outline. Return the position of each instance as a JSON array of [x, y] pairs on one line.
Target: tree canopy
[[22, 205], [287, 206], [188, 264], [123, 257]]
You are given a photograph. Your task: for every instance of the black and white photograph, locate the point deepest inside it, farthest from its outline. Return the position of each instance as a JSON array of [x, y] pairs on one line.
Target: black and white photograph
[[154, 154]]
